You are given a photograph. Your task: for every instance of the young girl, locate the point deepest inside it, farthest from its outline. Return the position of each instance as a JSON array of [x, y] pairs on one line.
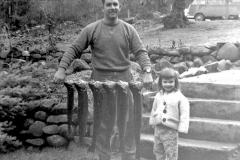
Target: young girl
[[170, 115]]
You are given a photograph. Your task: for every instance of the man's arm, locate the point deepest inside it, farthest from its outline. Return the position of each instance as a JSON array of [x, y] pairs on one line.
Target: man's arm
[[75, 50]]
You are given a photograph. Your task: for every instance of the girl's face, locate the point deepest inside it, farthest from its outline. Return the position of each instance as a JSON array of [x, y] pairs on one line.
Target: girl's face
[[168, 84]]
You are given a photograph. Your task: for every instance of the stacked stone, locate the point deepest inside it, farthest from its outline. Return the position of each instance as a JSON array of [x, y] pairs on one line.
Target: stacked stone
[[46, 125], [196, 60]]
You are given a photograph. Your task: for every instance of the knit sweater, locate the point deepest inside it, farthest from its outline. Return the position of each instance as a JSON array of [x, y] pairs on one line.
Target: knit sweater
[[110, 45], [175, 112]]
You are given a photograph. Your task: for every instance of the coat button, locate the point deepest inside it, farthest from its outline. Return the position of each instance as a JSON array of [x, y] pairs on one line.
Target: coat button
[[164, 119], [164, 111]]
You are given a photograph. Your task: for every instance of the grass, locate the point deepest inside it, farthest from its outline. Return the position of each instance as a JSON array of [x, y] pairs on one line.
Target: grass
[[76, 153]]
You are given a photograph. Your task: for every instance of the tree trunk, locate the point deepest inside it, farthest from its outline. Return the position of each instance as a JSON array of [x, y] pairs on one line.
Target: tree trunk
[[176, 19]]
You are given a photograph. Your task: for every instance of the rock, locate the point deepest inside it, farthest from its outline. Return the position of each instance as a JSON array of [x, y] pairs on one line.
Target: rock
[[87, 57], [214, 54], [174, 60], [224, 65], [60, 108], [180, 67], [24, 134], [36, 128], [228, 52], [4, 54], [40, 115], [63, 131], [199, 51], [72, 146], [184, 50], [51, 129], [75, 119], [49, 58], [32, 107], [36, 142], [47, 105], [161, 64], [173, 53], [28, 122], [212, 67], [156, 51], [57, 119], [36, 56], [58, 55], [193, 72], [197, 63], [154, 57], [189, 64], [52, 64], [188, 57], [25, 53], [181, 58], [79, 65], [211, 46], [208, 58], [56, 141], [167, 58]]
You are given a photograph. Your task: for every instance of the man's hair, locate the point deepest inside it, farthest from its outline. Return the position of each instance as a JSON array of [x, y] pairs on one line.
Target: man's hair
[[168, 73], [103, 1]]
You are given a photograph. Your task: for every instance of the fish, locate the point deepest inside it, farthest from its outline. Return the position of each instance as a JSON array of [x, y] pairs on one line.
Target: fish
[[136, 89], [70, 104], [96, 86], [82, 109], [110, 88], [122, 110]]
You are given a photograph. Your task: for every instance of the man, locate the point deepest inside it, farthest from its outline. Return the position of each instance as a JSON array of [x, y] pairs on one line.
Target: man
[[111, 40]]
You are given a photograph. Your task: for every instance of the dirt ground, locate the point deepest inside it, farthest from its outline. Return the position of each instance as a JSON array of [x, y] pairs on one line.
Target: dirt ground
[[197, 33]]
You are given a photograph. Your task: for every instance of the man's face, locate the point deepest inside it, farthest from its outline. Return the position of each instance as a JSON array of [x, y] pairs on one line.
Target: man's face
[[111, 9]]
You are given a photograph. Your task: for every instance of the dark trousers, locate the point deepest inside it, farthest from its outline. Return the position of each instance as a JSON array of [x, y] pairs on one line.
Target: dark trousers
[[103, 139]]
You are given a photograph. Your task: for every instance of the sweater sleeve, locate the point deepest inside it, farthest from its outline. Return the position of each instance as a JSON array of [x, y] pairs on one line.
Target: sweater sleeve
[[184, 114], [76, 49], [139, 50]]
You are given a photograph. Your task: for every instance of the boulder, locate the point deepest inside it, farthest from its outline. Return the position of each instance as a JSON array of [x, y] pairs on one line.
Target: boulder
[[40, 115], [51, 129], [189, 64], [173, 53], [214, 54], [36, 129], [193, 72], [162, 63], [79, 65], [199, 51], [208, 58], [36, 142], [167, 58], [154, 57], [156, 51], [63, 131], [36, 56], [228, 52], [211, 46], [212, 67], [47, 105], [60, 108], [224, 65], [87, 57], [25, 53], [58, 55], [57, 119], [180, 67], [56, 141], [28, 122], [184, 50], [197, 62], [175, 60], [188, 57]]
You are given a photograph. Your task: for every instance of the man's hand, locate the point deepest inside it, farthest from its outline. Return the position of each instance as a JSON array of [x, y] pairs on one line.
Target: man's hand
[[59, 76], [147, 80]]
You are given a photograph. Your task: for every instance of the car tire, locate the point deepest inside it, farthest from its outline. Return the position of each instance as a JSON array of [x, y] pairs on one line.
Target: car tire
[[199, 17]]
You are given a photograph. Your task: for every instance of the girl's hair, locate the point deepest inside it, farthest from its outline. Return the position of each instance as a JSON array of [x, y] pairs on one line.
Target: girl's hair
[[168, 73]]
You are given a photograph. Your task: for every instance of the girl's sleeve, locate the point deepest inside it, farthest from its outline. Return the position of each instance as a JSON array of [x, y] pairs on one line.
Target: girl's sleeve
[[184, 108]]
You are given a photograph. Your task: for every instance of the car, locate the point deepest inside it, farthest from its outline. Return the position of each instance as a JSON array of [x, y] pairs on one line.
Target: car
[[212, 9]]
